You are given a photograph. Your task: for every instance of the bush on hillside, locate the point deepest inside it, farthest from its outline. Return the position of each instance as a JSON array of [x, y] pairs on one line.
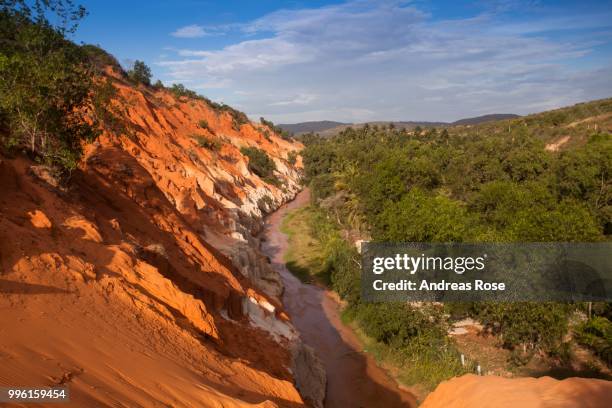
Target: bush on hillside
[[596, 334], [292, 157], [207, 143], [179, 90], [102, 59], [203, 124], [140, 73], [280, 131], [259, 162], [530, 325]]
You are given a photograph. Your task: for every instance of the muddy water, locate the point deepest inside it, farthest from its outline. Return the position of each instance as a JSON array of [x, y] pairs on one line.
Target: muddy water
[[353, 378]]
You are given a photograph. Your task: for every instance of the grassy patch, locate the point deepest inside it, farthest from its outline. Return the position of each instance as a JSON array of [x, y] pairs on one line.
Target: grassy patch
[[304, 255]]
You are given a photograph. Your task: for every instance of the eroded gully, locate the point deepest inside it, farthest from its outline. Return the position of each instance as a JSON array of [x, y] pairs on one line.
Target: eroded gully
[[353, 378]]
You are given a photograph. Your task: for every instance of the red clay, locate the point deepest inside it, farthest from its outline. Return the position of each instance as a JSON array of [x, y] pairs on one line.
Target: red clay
[[471, 391]]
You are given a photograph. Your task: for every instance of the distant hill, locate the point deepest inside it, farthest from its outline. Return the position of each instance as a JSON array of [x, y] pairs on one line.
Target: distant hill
[[306, 127], [559, 129], [485, 118], [328, 127]]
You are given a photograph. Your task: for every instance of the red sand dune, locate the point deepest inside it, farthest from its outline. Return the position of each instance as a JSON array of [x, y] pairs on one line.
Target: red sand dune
[[471, 391]]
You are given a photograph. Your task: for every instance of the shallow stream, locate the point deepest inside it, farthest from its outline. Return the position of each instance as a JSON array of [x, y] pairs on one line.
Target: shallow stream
[[353, 377]]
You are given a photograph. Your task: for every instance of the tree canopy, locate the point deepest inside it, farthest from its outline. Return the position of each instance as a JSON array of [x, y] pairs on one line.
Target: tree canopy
[[482, 184], [48, 103]]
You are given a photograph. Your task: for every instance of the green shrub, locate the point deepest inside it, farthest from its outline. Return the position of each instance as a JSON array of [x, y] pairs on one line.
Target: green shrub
[[140, 73], [283, 133], [596, 334], [292, 157], [203, 124], [207, 143], [430, 358], [259, 162], [537, 326], [179, 90], [420, 217], [391, 323], [321, 187], [267, 123]]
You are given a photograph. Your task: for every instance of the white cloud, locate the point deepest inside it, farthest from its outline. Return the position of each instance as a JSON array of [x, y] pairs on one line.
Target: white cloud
[[302, 99], [368, 60], [190, 31]]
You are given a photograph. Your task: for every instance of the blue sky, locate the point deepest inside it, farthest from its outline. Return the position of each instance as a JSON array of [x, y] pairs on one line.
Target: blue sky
[[362, 60]]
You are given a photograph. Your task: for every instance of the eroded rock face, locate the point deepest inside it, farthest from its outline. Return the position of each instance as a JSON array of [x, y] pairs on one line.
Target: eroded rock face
[[309, 373], [210, 185], [252, 263], [149, 262], [266, 316]]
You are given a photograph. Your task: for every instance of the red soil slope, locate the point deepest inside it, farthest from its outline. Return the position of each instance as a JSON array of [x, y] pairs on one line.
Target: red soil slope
[[128, 286], [471, 391]]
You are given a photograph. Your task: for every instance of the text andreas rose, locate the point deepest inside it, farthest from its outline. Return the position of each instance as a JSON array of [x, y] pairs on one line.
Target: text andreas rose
[[409, 285]]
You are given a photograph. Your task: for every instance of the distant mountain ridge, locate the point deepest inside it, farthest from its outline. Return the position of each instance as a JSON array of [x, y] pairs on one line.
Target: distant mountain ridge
[[313, 126], [485, 118], [329, 127]]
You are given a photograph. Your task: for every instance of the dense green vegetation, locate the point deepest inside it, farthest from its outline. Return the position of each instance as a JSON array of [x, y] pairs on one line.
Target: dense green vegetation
[[49, 99], [489, 183], [473, 188]]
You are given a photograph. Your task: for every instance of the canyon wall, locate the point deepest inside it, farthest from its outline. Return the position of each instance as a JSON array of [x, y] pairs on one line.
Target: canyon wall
[[141, 282]]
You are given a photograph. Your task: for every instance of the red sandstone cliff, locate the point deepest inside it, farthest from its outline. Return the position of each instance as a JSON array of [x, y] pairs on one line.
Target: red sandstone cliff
[[141, 284]]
